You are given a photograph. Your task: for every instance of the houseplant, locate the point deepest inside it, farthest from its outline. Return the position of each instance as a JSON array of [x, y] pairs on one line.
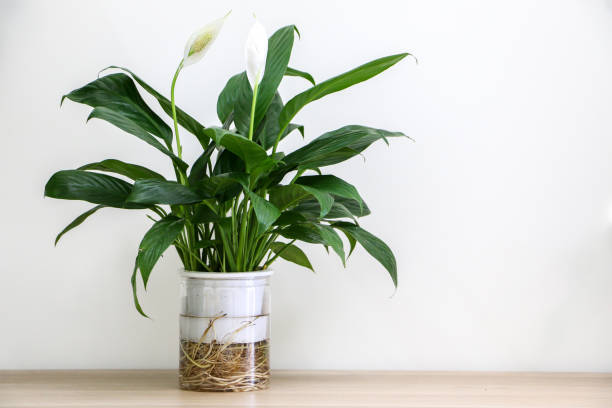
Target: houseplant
[[239, 207]]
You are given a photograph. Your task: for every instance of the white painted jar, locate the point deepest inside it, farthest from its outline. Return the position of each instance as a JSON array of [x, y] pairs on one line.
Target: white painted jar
[[219, 308]]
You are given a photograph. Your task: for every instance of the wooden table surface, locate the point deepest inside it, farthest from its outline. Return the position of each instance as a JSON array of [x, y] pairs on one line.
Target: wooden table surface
[[158, 388]]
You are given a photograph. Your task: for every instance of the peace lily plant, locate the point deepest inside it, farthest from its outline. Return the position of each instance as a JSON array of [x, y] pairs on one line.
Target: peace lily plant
[[243, 203]]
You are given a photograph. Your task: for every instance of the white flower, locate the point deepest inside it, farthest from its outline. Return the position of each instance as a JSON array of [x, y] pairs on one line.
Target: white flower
[[201, 40], [255, 52]]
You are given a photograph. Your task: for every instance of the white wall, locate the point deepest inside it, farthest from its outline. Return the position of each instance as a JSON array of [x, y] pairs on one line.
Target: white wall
[[499, 214]]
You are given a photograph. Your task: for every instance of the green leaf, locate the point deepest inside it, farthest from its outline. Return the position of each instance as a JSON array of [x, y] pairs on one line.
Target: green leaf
[[332, 185], [156, 240], [265, 212], [125, 124], [355, 208], [133, 171], [198, 169], [297, 73], [269, 128], [290, 217], [117, 93], [315, 234], [331, 238], [311, 209], [228, 162], [338, 83], [305, 232], [253, 155], [162, 192], [279, 52], [325, 199], [186, 121], [223, 186], [287, 196], [352, 243], [242, 105], [78, 221], [135, 290], [320, 151], [203, 214], [228, 96], [375, 247], [92, 187], [292, 253]]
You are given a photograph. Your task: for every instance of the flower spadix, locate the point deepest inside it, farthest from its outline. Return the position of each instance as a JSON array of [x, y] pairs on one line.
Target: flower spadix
[[200, 41], [255, 52]]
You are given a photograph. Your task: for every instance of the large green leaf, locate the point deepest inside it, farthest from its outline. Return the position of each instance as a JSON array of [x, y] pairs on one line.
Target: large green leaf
[[280, 45], [253, 155], [198, 169], [315, 234], [118, 119], [228, 162], [157, 239], [332, 185], [325, 199], [375, 247], [355, 137], [118, 93], [269, 128], [338, 83], [311, 209], [297, 73], [265, 212], [228, 96], [223, 186], [242, 104], [331, 238], [305, 232], [291, 217], [292, 253], [162, 192], [92, 187], [133, 171], [186, 121], [78, 221], [287, 196], [203, 214], [135, 289]]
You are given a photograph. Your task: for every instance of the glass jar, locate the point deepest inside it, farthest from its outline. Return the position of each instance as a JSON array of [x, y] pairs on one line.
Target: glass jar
[[224, 331]]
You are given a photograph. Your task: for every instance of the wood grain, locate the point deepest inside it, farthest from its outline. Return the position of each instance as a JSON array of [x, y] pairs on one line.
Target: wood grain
[[158, 388]]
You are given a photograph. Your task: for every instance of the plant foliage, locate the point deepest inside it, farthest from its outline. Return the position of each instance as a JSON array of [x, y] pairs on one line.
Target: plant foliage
[[242, 204]]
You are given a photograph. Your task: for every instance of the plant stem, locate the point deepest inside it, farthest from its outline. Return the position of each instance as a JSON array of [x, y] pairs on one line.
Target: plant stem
[[255, 89], [179, 148], [297, 176]]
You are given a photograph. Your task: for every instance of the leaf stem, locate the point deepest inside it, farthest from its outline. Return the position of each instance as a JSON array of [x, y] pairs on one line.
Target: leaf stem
[[179, 148], [255, 89]]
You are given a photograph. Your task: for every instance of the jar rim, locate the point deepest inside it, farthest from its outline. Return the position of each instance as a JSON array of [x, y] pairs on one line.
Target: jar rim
[[225, 275]]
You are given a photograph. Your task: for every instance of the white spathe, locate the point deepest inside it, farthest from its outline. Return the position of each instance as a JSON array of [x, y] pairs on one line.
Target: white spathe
[[255, 53], [200, 41]]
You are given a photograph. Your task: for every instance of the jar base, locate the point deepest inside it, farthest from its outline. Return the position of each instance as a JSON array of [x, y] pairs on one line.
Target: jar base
[[223, 367]]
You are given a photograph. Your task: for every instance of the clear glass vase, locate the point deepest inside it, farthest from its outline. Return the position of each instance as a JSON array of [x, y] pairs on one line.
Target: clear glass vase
[[224, 331]]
